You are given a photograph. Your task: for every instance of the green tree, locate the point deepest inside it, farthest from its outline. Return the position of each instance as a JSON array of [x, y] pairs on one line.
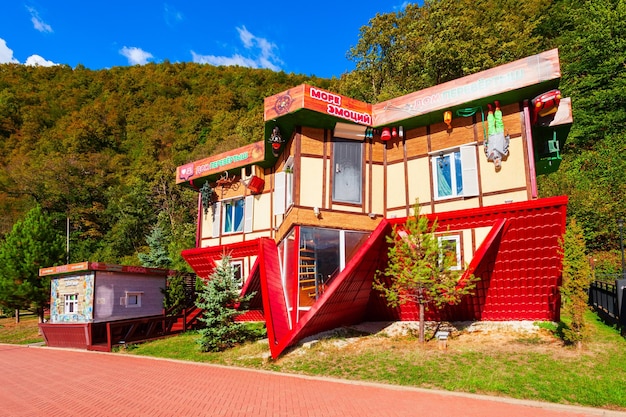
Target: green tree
[[576, 280], [420, 270], [175, 294], [32, 244], [158, 256], [441, 40], [591, 37], [221, 302]]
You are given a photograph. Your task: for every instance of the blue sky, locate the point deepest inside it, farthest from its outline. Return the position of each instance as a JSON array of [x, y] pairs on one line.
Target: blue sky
[[309, 38]]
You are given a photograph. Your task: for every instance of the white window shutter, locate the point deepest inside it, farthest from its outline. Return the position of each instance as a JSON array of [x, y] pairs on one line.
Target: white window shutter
[[248, 209], [470, 171], [217, 217], [279, 193]]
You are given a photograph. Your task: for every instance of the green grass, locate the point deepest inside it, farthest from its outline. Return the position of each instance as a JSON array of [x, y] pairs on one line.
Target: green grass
[[524, 367], [22, 333]]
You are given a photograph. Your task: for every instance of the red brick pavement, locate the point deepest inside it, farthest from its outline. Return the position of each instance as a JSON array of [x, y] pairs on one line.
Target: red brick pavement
[[58, 382]]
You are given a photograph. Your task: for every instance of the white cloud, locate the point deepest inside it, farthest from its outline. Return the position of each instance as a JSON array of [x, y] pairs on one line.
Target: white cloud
[[38, 61], [38, 24], [171, 15], [6, 54], [136, 56], [261, 50]]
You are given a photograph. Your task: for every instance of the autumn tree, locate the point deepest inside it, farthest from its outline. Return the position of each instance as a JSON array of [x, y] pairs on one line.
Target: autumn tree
[[421, 269], [33, 243]]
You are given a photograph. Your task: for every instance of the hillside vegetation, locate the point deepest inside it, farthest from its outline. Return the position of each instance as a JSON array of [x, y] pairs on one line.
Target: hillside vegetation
[[101, 147]]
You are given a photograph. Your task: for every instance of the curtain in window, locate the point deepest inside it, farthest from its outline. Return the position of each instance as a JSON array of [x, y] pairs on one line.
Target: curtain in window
[[458, 168], [444, 179], [234, 216]]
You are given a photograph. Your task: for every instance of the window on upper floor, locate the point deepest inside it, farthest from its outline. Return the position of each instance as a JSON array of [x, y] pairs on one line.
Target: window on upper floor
[[455, 173], [284, 188], [233, 215]]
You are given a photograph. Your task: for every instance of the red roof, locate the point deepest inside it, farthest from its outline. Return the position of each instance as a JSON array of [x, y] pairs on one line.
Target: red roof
[[518, 261]]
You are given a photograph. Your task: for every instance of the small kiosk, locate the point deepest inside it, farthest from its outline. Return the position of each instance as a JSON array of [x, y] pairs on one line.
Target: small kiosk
[[95, 305]]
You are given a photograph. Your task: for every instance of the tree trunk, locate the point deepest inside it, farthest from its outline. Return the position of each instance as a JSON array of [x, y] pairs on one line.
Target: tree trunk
[[422, 324], [17, 315], [40, 314]]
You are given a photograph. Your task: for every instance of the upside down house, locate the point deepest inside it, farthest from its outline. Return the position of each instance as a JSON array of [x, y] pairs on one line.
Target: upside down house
[[304, 213]]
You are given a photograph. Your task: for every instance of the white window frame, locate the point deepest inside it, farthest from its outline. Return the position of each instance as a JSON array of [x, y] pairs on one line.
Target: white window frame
[[132, 296], [284, 188], [469, 171], [70, 305], [225, 206], [237, 264], [457, 240]]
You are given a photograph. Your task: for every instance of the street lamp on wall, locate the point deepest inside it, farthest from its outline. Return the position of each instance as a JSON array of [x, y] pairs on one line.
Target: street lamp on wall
[[620, 224]]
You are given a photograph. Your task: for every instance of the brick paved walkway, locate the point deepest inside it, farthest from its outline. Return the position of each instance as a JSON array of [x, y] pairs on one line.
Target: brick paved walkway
[[57, 382]]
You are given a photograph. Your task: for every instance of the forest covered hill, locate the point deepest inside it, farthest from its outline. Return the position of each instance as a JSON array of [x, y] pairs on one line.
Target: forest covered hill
[[100, 147]]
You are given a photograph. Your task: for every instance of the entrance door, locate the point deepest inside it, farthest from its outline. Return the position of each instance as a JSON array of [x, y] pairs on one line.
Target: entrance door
[[348, 171]]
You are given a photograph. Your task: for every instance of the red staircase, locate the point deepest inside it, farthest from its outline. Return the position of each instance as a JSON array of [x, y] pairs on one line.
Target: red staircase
[[186, 320]]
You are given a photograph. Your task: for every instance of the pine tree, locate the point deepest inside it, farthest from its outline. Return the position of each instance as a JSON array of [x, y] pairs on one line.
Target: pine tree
[[32, 244], [221, 303], [158, 256], [576, 281], [420, 269]]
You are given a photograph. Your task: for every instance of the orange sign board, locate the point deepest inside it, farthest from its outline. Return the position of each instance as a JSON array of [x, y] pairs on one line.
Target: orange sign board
[[504, 78], [100, 266], [308, 97], [246, 155], [63, 269]]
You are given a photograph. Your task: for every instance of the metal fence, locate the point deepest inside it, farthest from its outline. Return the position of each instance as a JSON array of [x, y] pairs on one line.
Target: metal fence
[[608, 300]]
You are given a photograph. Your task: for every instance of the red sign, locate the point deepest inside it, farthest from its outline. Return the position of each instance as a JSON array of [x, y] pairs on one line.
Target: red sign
[[246, 155], [312, 98]]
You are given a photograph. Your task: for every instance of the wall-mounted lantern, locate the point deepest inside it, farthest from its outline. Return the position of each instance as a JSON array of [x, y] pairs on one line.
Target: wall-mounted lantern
[[447, 118]]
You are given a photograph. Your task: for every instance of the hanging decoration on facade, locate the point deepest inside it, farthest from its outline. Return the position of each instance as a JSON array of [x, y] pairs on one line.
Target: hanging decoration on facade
[[447, 119], [385, 135], [393, 132], [496, 144], [228, 182], [254, 184], [276, 140], [545, 105], [206, 194]]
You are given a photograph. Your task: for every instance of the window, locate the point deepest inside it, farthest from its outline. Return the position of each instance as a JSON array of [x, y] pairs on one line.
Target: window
[[132, 298], [451, 246], [284, 188], [348, 171], [71, 303], [233, 215], [237, 272], [455, 173], [237, 215]]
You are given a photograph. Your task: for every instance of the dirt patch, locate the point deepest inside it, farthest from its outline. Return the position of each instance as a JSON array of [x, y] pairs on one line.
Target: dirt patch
[[518, 336]]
